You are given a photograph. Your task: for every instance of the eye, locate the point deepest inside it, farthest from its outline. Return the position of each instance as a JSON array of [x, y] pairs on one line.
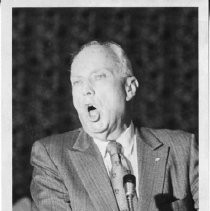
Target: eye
[[76, 82], [100, 76]]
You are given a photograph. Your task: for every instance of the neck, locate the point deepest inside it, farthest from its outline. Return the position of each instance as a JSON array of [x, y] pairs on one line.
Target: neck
[[123, 127]]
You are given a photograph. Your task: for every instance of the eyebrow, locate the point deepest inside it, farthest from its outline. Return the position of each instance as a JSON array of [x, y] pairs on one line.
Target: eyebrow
[[76, 77], [94, 72]]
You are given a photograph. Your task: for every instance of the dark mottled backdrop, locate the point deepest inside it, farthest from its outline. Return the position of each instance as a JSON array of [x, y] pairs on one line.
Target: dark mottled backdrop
[[162, 44]]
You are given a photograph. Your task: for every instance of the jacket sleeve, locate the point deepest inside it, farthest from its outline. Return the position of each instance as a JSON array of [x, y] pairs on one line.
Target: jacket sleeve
[[193, 169], [47, 188]]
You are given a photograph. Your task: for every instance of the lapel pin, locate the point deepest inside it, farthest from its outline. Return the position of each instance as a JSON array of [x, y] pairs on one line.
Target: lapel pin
[[157, 159]]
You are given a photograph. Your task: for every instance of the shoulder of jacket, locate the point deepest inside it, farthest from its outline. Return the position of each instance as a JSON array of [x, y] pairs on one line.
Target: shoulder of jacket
[[171, 137], [66, 138]]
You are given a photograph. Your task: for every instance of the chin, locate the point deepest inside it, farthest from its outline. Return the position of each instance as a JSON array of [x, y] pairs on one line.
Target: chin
[[96, 132], [99, 136]]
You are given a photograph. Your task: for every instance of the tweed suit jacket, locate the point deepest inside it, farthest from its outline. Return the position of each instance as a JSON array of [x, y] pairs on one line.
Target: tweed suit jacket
[[69, 173]]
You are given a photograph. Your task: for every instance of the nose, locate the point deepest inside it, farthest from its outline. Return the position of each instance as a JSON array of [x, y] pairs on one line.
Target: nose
[[88, 89]]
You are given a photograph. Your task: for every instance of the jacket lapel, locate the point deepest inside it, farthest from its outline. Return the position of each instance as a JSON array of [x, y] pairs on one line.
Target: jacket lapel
[[152, 157], [92, 172]]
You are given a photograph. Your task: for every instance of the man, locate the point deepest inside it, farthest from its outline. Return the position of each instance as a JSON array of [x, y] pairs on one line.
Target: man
[[77, 170]]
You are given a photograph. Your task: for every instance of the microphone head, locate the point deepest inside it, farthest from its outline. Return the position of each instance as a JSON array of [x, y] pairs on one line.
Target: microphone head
[[130, 178], [129, 183]]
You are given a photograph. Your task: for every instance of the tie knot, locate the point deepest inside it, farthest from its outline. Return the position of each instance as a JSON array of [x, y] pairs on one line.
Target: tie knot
[[114, 147]]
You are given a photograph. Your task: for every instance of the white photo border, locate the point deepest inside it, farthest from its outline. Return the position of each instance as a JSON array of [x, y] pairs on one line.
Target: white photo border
[[6, 82]]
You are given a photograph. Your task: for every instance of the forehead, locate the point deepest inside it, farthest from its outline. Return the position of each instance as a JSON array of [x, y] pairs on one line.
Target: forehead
[[93, 58]]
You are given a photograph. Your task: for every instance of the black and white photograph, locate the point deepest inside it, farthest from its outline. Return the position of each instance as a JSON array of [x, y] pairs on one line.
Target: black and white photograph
[[107, 107]]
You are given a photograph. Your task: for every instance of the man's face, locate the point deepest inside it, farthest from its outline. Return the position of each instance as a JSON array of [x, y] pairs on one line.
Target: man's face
[[98, 92]]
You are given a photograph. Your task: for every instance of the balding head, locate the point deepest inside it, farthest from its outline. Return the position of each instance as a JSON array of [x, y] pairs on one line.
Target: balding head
[[113, 50]]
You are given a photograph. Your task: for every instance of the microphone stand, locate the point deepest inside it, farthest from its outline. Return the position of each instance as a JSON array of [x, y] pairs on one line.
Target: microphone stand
[[129, 182]]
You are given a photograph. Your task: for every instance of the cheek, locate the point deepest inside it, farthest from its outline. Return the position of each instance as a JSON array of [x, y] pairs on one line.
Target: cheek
[[112, 99], [76, 100]]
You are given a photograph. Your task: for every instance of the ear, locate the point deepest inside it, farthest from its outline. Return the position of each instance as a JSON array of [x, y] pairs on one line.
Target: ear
[[131, 86]]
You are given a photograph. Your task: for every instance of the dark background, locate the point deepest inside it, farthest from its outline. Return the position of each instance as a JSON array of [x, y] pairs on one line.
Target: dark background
[[162, 44]]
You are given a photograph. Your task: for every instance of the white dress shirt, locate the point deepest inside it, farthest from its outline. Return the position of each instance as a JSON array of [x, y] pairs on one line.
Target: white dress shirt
[[128, 141]]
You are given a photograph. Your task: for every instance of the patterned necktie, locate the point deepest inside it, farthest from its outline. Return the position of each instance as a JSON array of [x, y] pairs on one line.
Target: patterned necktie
[[118, 171]]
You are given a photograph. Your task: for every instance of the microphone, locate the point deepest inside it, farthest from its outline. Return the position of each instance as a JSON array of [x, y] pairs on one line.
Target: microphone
[[129, 183]]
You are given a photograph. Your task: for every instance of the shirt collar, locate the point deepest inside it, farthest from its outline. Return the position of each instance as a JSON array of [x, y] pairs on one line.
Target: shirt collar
[[126, 139], [101, 146]]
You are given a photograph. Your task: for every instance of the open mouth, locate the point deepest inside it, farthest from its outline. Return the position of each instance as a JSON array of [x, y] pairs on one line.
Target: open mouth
[[93, 113], [91, 108]]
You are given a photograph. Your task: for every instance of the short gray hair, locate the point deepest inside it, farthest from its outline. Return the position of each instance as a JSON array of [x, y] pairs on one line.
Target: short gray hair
[[118, 53]]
